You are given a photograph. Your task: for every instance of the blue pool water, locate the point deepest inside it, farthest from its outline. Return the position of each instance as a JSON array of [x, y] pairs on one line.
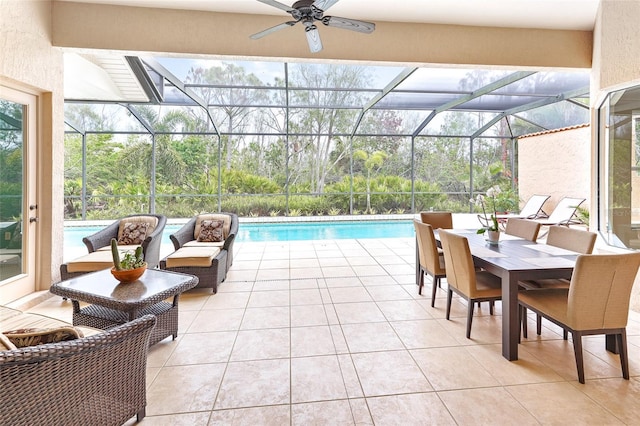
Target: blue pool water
[[289, 231]]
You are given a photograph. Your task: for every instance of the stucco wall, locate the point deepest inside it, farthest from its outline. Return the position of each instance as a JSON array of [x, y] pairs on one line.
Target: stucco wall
[[556, 164], [29, 63], [93, 26]]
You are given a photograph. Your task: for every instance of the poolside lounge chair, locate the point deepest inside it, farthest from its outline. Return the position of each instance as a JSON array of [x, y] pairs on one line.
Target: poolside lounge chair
[[531, 210], [564, 213]]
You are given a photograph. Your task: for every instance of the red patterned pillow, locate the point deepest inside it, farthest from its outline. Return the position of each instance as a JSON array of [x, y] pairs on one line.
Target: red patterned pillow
[[133, 233], [211, 231]]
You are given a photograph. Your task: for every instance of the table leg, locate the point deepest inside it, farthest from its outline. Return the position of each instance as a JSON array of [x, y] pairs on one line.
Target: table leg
[[510, 320]]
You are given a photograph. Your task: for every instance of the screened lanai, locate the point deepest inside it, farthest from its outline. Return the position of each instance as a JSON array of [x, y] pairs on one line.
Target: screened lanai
[[183, 135]]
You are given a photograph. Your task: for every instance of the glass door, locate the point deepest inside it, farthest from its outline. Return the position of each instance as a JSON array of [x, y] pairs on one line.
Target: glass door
[[18, 208]]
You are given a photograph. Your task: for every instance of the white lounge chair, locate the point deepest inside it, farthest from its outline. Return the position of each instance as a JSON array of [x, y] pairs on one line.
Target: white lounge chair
[[531, 210], [564, 213]]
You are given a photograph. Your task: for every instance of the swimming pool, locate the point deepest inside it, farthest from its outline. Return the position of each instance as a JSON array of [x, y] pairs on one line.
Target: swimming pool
[[285, 231]]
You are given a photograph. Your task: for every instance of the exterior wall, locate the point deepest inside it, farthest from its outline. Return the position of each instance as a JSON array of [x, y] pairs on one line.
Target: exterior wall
[[30, 63], [91, 26], [556, 164]]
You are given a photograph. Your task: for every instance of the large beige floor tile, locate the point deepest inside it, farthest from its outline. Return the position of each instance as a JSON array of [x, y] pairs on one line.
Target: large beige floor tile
[[488, 406], [316, 379], [527, 369], [412, 409], [387, 373], [349, 313], [216, 320], [271, 317], [261, 299], [618, 396], [322, 413], [338, 271], [368, 337], [349, 294], [402, 310], [308, 315], [308, 272], [254, 383], [452, 368], [310, 341], [376, 280], [271, 285], [342, 282], [388, 292], [261, 344], [230, 300], [309, 296], [558, 403], [275, 415], [183, 389], [421, 334], [203, 348]]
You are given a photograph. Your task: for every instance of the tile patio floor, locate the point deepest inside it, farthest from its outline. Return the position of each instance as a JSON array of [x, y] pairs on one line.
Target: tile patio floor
[[334, 332]]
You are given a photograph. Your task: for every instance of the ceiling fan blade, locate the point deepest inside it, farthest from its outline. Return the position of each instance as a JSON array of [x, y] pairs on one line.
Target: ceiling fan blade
[[272, 30], [349, 24], [313, 38], [323, 5], [277, 4]]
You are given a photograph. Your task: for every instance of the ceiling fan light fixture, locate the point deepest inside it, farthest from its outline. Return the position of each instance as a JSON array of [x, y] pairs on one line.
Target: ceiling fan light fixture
[[313, 38], [308, 11]]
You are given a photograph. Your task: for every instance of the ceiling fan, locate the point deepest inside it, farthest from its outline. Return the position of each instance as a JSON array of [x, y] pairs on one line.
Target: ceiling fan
[[309, 11]]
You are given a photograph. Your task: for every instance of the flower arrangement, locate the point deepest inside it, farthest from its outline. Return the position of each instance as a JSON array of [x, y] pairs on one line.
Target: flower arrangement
[[490, 223]]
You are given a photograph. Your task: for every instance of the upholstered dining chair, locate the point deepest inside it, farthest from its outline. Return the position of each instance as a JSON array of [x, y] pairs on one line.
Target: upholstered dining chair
[[523, 228], [574, 239], [438, 220], [596, 302], [430, 260], [463, 278]]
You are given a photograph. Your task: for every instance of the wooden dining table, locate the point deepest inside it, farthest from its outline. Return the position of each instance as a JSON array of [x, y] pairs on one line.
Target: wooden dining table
[[514, 259]]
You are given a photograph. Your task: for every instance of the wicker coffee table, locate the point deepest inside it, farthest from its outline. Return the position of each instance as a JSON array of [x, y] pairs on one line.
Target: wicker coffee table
[[113, 303]]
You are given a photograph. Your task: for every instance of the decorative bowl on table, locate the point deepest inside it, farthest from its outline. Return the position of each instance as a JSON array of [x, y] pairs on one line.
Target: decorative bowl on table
[[128, 275]]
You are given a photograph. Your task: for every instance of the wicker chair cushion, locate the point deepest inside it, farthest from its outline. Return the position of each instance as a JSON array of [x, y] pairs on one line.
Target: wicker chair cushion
[[39, 336], [225, 218], [133, 233], [91, 262], [211, 231], [194, 243], [192, 256], [151, 222]]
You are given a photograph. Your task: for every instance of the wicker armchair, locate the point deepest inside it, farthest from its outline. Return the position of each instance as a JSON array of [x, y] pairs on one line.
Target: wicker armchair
[[99, 379], [150, 245], [209, 276], [101, 239]]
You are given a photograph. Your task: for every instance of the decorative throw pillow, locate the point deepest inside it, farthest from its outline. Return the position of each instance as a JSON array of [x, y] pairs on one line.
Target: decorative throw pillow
[[133, 233], [211, 231], [40, 336]]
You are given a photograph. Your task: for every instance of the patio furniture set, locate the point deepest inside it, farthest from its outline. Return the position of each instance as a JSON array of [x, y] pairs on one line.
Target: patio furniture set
[[560, 280], [93, 371]]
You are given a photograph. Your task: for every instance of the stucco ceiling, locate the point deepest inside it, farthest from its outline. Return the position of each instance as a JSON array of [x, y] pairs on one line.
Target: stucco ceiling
[[546, 14]]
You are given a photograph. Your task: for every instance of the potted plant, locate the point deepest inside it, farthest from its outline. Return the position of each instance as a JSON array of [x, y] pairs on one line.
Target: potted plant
[[130, 267], [490, 223]]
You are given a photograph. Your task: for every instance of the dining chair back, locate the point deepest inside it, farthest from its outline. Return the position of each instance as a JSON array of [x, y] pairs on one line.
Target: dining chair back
[[431, 262], [596, 302], [573, 239], [577, 240], [463, 278], [523, 228], [438, 220]]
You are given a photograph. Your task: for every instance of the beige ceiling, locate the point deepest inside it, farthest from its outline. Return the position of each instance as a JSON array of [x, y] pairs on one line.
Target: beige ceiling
[[546, 14]]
